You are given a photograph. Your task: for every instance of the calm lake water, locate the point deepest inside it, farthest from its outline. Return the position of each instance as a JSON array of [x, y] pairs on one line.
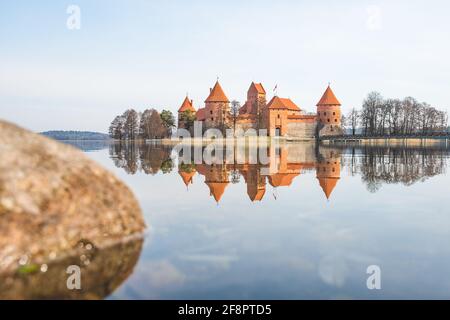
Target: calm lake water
[[306, 226]]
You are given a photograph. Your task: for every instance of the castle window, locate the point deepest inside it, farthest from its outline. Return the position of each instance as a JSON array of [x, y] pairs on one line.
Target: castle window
[[318, 113], [328, 120], [324, 113], [335, 120], [334, 113], [212, 119], [278, 116], [210, 112]]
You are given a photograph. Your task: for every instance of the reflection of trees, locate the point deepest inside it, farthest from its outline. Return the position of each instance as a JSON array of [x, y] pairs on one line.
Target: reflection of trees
[[153, 157], [124, 156], [379, 165], [235, 176], [149, 158]]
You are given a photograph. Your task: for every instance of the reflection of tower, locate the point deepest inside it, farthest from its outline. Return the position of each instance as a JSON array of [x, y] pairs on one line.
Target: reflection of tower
[[256, 183], [216, 178], [187, 174], [329, 172]]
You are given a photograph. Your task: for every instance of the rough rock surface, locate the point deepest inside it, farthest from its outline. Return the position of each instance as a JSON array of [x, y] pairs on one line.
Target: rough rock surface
[[52, 196]]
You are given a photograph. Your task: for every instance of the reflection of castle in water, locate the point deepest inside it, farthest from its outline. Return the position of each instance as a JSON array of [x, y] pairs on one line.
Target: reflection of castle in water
[[287, 162], [256, 177]]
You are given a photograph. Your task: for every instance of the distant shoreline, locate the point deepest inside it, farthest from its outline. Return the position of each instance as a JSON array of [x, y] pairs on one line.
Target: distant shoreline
[[62, 135]]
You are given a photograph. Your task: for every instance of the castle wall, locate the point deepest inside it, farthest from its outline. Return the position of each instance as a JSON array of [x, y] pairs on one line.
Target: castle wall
[[305, 130]]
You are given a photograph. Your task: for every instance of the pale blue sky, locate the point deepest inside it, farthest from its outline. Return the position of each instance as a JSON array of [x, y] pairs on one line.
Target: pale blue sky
[[146, 54]]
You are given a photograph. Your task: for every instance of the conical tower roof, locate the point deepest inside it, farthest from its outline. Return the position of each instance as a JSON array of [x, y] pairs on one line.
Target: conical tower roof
[[328, 99], [187, 105], [217, 94]]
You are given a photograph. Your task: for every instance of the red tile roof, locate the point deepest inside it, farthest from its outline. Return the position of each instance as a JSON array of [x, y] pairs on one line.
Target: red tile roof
[[217, 94], [282, 103], [328, 99], [258, 87], [200, 115], [187, 105]]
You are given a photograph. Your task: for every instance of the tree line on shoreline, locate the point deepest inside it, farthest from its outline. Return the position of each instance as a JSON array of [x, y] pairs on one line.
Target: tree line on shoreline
[[150, 124], [385, 117]]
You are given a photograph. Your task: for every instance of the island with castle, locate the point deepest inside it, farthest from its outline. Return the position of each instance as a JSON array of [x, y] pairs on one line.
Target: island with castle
[[281, 117]]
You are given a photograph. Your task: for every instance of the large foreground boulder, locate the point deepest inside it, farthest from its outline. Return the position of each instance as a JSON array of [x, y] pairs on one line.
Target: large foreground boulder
[[52, 197]]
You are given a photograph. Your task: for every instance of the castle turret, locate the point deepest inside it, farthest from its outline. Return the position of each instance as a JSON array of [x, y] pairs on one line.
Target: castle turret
[[256, 99], [329, 113], [186, 107], [217, 108]]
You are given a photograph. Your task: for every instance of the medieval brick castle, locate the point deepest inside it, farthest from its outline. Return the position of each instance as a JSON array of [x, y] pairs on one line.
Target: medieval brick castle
[[281, 117]]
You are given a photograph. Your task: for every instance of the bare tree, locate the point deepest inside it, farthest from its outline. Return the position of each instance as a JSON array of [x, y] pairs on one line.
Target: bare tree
[[235, 106], [406, 117], [156, 126], [144, 125], [261, 112], [352, 119], [131, 125]]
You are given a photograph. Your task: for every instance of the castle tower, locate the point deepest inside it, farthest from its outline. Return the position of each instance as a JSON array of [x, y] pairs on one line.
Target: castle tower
[[186, 107], [217, 108], [329, 113], [256, 98], [328, 172]]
